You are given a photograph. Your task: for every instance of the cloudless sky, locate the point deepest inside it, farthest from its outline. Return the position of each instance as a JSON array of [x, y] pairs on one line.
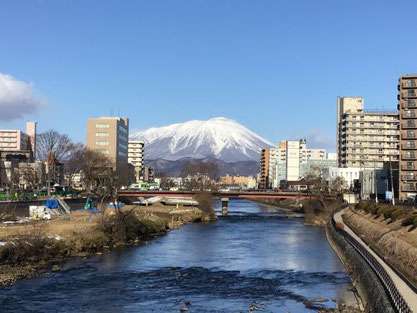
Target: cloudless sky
[[276, 67]]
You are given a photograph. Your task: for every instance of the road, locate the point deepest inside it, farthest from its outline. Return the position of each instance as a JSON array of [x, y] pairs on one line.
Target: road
[[407, 293]]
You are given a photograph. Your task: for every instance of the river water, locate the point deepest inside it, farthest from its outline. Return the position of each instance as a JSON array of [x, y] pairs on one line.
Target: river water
[[253, 257]]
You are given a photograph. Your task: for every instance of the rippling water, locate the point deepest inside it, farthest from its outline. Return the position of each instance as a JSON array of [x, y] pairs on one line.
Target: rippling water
[[254, 256]]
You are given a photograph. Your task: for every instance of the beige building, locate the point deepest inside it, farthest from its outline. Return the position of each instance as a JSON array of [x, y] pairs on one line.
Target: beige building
[[136, 151], [109, 136], [407, 106], [17, 140], [365, 138], [247, 181]]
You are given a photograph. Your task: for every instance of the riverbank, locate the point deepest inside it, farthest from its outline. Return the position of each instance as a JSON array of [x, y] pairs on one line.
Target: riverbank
[[371, 294], [38, 247], [396, 242]]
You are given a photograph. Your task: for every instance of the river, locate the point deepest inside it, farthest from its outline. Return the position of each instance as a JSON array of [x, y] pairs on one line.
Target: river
[[253, 257]]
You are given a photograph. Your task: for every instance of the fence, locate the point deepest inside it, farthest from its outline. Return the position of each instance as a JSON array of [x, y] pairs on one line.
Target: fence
[[400, 305]]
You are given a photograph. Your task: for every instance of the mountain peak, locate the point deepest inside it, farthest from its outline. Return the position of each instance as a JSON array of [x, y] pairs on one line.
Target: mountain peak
[[219, 137]]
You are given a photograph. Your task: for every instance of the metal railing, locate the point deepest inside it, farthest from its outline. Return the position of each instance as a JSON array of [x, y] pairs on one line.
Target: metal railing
[[400, 305]]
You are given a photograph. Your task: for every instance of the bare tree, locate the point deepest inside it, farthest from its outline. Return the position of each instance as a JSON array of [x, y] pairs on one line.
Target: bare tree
[[53, 142], [74, 162]]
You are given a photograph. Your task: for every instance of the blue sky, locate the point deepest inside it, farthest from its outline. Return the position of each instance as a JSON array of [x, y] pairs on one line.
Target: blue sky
[[277, 67]]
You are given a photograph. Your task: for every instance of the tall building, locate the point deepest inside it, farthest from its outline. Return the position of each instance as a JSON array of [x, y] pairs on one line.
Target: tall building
[[365, 138], [264, 169], [110, 136], [292, 160], [407, 106], [136, 151]]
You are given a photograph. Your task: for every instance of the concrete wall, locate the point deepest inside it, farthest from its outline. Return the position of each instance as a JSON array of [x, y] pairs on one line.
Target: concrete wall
[[364, 279]]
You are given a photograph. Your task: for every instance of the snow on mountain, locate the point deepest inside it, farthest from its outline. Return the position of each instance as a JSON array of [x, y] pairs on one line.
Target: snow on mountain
[[220, 138]]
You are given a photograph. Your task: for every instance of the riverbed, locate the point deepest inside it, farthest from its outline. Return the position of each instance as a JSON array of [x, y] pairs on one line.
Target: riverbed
[[255, 257]]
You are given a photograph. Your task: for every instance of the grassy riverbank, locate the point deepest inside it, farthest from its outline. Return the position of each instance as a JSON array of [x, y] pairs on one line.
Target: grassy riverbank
[[391, 231], [36, 247]]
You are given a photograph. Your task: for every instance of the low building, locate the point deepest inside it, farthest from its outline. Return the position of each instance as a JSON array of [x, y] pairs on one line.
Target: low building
[[242, 181], [350, 174]]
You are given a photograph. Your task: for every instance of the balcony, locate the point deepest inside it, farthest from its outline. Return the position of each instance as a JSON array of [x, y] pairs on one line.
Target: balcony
[[409, 177], [410, 156], [411, 114], [408, 146], [409, 84], [408, 167], [408, 188], [409, 94], [408, 125]]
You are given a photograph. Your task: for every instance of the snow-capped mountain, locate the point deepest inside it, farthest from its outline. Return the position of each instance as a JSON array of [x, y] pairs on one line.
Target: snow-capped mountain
[[219, 138]]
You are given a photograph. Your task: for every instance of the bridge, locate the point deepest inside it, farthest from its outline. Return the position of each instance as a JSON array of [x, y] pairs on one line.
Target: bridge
[[216, 194]]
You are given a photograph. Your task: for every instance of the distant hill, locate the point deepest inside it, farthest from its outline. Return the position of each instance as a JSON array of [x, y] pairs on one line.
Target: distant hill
[[173, 168]]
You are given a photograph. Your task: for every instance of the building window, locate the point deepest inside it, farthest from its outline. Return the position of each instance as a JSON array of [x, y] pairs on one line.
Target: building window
[[123, 129], [102, 151], [102, 134], [101, 125], [122, 154], [102, 143]]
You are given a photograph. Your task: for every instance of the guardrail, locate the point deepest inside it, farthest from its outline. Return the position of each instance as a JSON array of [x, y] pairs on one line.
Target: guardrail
[[400, 305]]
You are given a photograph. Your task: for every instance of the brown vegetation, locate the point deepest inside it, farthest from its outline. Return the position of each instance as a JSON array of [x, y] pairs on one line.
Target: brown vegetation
[[205, 203], [394, 239]]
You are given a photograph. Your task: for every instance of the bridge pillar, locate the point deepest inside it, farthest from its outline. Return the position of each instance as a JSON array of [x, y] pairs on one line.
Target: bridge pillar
[[225, 204]]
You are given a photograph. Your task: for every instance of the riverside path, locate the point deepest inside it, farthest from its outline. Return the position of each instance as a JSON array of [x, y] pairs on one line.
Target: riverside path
[[406, 292]]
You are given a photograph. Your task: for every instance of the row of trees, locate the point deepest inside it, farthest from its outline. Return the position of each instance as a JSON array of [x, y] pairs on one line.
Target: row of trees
[[58, 150]]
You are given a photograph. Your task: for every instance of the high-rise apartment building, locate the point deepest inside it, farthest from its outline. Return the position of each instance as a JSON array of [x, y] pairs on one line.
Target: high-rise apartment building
[[407, 107], [365, 138], [264, 170], [109, 136], [136, 151], [17, 140]]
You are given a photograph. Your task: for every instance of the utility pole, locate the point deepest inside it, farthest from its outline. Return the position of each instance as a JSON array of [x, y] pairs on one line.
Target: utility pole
[[392, 181], [376, 185]]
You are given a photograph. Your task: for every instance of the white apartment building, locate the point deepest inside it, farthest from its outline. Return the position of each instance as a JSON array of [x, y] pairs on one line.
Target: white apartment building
[[365, 138], [136, 152], [291, 161]]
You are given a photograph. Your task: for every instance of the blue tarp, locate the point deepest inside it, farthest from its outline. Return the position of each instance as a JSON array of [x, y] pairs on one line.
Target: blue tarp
[[90, 210], [51, 203], [119, 205]]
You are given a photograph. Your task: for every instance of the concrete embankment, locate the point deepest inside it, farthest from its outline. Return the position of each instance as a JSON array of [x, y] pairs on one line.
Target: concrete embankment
[[393, 241], [364, 279]]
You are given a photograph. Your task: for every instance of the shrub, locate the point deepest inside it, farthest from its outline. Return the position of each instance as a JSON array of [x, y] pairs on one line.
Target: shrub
[[373, 209], [380, 210], [33, 247], [125, 226], [205, 202], [388, 212], [409, 220], [398, 212]]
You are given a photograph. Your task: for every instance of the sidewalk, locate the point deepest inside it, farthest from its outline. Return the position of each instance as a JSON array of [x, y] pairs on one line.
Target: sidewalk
[[408, 294]]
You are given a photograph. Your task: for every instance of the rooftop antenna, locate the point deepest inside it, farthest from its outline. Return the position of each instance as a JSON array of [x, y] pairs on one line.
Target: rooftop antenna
[[111, 112], [118, 112]]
